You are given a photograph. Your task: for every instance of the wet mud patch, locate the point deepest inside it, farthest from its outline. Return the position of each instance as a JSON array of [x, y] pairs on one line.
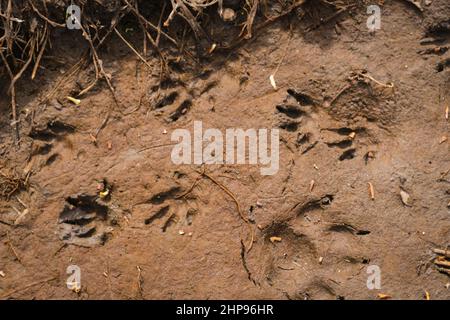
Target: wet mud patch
[[362, 99], [85, 221], [311, 220]]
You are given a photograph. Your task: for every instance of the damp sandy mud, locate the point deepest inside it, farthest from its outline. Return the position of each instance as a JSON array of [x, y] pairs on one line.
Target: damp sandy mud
[[363, 175]]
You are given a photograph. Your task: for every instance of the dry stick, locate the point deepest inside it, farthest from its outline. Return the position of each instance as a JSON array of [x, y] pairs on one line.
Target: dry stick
[[13, 249], [250, 19], [41, 53], [144, 45], [285, 53], [386, 85], [192, 186], [27, 63], [264, 24], [145, 22], [114, 23], [100, 65], [340, 93], [172, 14], [7, 26], [158, 36], [66, 75], [139, 282], [12, 18], [371, 191], [13, 100], [148, 23], [227, 191], [133, 49], [14, 79], [27, 287], [43, 17], [326, 20], [191, 20], [158, 146], [142, 22]]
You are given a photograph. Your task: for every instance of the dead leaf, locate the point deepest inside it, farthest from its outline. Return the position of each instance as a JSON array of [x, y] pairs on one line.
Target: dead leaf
[[213, 47], [383, 296], [272, 82], [74, 101], [405, 198], [275, 239]]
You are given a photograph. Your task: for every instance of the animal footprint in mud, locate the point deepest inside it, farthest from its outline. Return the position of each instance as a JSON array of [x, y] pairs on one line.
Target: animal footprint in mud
[[342, 138], [295, 107], [46, 135], [348, 154], [444, 64], [291, 111], [318, 288], [304, 142], [166, 100], [347, 228], [170, 209], [285, 249], [84, 221], [54, 129], [288, 125], [182, 109]]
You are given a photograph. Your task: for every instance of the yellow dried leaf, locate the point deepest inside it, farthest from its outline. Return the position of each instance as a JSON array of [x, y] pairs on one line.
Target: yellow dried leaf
[[272, 82], [74, 101], [104, 194], [275, 239]]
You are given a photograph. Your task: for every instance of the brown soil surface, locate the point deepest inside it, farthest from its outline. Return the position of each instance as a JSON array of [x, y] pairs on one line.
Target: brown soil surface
[[329, 235]]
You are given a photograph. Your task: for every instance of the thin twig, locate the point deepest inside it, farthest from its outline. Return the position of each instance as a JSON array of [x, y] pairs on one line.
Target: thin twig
[[27, 287], [227, 191], [13, 249], [133, 49]]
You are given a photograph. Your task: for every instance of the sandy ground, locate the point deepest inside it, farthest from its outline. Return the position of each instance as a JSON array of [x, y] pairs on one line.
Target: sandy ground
[[167, 232]]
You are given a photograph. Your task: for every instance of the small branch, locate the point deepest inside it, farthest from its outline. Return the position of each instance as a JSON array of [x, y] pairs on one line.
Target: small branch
[[132, 49]]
